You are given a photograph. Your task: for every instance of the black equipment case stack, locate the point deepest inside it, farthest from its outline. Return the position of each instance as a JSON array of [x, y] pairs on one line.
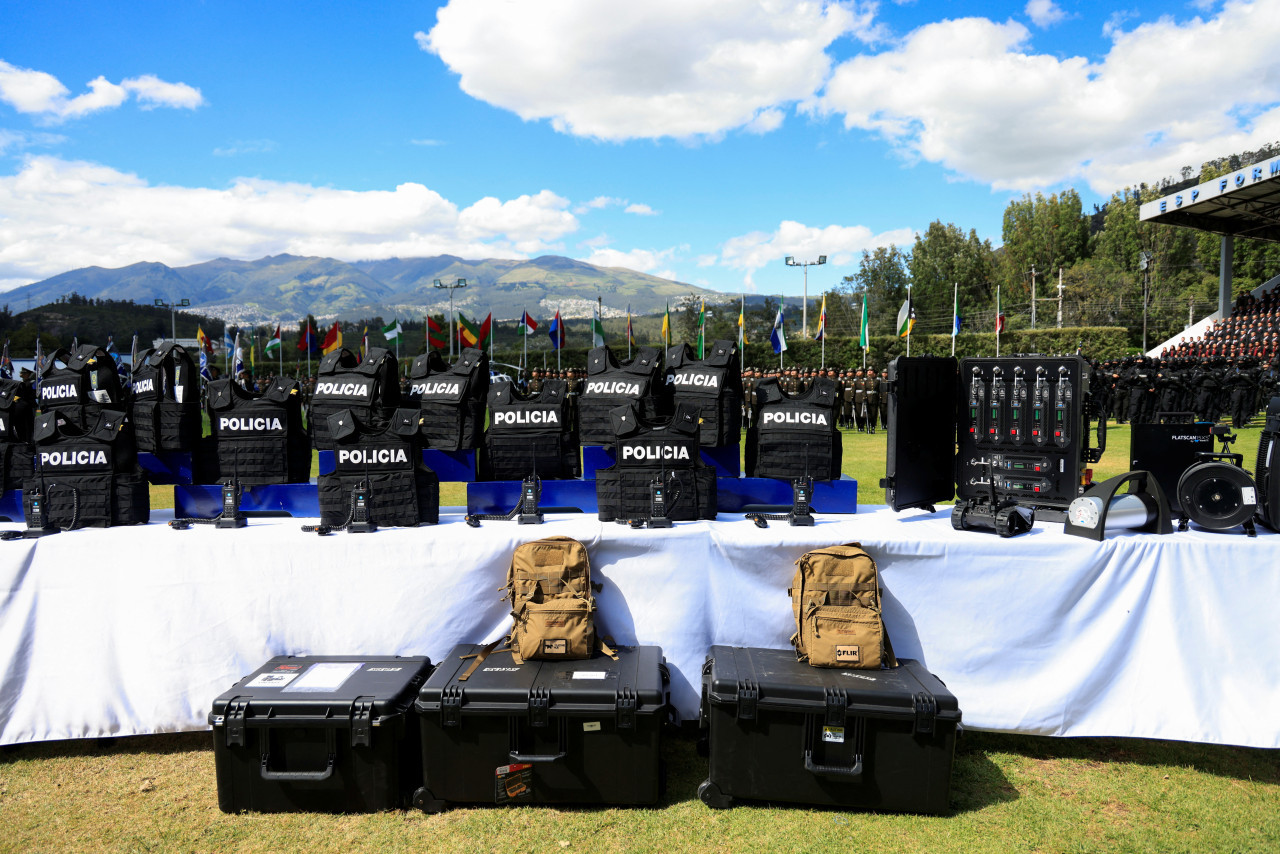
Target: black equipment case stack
[[320, 734], [586, 731], [780, 730]]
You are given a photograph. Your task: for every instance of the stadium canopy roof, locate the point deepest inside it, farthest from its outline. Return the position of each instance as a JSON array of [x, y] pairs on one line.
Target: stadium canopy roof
[[1244, 203]]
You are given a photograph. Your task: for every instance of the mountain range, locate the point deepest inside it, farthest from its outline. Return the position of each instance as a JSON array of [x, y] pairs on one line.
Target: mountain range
[[283, 287]]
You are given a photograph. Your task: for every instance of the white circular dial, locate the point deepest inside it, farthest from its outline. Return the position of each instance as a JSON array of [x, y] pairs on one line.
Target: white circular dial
[[1085, 512]]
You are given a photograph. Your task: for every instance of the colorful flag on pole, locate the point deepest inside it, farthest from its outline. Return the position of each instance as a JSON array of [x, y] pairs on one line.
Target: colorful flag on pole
[[228, 343], [237, 361], [364, 343], [307, 340], [702, 330], [435, 334], [597, 328], [528, 325], [468, 331], [822, 321], [631, 337], [393, 331], [666, 326], [778, 337], [6, 364], [742, 324], [274, 343], [39, 361], [332, 339], [486, 330], [906, 318], [999, 313], [556, 331], [863, 337], [955, 313], [202, 341]]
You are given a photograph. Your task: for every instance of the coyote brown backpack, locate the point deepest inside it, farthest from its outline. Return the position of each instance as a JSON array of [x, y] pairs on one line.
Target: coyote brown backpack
[[835, 597]]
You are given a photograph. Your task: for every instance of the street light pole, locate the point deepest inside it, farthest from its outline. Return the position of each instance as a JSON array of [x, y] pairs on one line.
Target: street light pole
[[453, 331], [173, 313], [804, 310]]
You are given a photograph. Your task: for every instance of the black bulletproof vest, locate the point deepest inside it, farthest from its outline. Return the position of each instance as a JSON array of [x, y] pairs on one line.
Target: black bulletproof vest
[[646, 450], [530, 435], [612, 382], [401, 492], [714, 384], [82, 386], [795, 435], [17, 418], [256, 438], [452, 398], [88, 477], [370, 389], [166, 400]]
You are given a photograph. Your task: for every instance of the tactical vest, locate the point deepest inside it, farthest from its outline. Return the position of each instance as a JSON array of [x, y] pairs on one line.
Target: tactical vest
[[532, 434], [369, 388], [89, 478], [795, 435], [611, 383], [83, 386], [714, 384], [17, 418], [258, 439], [646, 450], [402, 491], [166, 400], [452, 399]]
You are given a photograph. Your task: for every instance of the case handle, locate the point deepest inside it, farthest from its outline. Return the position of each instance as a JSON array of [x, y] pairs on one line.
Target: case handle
[[562, 746], [537, 757], [842, 772], [294, 776]]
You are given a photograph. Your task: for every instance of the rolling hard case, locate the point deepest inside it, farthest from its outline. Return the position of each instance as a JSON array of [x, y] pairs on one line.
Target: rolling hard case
[[320, 734], [543, 732], [780, 730]]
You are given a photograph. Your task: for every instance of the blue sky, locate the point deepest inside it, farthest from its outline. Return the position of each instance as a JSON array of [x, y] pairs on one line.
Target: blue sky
[[700, 141]]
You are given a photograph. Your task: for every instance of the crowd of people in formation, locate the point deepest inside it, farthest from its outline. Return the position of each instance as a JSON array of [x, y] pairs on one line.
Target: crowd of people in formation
[[1251, 332], [864, 394], [1138, 389]]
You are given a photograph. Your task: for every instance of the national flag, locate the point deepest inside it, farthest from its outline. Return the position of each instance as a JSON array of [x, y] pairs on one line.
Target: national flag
[[253, 357], [6, 364], [863, 337], [435, 335], [597, 329], [237, 360], [528, 325], [822, 321], [999, 313], [778, 337], [307, 340], [206, 345], [133, 361], [228, 343], [631, 337], [955, 315], [468, 331], [666, 327], [332, 339], [39, 356], [204, 365], [556, 331], [111, 348], [274, 343], [742, 325], [906, 318], [393, 331], [364, 343], [702, 330], [486, 330]]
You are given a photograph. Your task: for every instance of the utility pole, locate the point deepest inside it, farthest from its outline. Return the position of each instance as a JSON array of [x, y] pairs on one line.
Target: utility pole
[[1144, 264], [1033, 296], [804, 311], [453, 329], [173, 313], [1059, 297]]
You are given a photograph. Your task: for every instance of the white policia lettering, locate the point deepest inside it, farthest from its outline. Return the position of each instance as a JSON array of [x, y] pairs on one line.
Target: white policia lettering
[[144, 385], [816, 418], [57, 392], [655, 452], [250, 424], [527, 416], [703, 380], [615, 387], [360, 456], [435, 388], [73, 458], [342, 389]]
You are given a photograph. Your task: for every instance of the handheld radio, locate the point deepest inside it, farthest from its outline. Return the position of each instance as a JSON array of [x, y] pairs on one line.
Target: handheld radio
[[360, 521]]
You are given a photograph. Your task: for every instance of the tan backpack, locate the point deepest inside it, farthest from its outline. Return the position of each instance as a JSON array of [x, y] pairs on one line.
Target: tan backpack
[[835, 597], [552, 604]]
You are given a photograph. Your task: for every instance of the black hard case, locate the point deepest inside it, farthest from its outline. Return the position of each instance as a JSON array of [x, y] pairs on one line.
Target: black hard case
[[353, 749], [764, 717], [584, 740]]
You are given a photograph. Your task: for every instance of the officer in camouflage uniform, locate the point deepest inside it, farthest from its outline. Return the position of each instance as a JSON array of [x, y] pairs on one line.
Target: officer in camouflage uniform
[[846, 400], [882, 386], [860, 399], [872, 400]]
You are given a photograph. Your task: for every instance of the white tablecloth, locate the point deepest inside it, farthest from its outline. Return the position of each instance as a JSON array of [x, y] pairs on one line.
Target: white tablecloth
[[136, 630]]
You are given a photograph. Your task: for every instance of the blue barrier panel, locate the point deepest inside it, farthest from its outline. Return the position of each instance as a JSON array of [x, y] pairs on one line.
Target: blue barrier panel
[[595, 457], [166, 467], [11, 506], [499, 496], [204, 500], [726, 460], [747, 494], [449, 466]]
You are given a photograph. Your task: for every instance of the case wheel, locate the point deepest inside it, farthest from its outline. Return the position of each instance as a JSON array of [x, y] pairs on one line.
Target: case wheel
[[427, 802], [709, 793]]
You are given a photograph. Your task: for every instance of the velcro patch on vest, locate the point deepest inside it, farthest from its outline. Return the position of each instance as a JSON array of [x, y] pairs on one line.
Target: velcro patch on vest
[[546, 416], [251, 425], [58, 392], [74, 459], [142, 386], [848, 654], [450, 390], [343, 390], [794, 417], [612, 388], [650, 453], [704, 381], [555, 646], [358, 459]]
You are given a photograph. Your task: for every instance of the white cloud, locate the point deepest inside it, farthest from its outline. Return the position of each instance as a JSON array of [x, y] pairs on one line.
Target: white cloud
[[644, 260], [840, 243], [677, 68], [426, 142], [1044, 13], [1115, 22], [970, 95], [706, 260], [246, 146], [17, 140], [640, 210], [42, 94], [598, 203], [57, 215]]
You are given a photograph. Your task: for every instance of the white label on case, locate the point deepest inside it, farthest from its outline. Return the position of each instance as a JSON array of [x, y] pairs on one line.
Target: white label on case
[[1249, 494], [271, 680], [325, 676], [591, 674], [591, 726]]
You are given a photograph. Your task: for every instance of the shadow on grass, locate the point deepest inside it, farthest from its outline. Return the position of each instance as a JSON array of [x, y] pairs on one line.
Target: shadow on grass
[[1238, 763], [139, 745]]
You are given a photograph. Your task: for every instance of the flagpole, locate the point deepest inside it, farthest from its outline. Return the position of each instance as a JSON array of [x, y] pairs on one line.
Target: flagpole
[[492, 332], [524, 336], [997, 321], [782, 301], [955, 312]]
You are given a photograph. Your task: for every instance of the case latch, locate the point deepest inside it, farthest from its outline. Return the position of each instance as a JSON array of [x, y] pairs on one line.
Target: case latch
[[748, 694], [235, 715], [836, 702], [539, 705], [451, 705], [926, 709], [362, 722], [625, 705]]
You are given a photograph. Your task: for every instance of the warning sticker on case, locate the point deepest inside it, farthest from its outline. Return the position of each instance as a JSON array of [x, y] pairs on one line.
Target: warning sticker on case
[[513, 783], [833, 734], [271, 680], [324, 676]]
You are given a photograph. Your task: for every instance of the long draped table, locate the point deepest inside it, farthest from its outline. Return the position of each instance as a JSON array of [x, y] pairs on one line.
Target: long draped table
[[135, 630]]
